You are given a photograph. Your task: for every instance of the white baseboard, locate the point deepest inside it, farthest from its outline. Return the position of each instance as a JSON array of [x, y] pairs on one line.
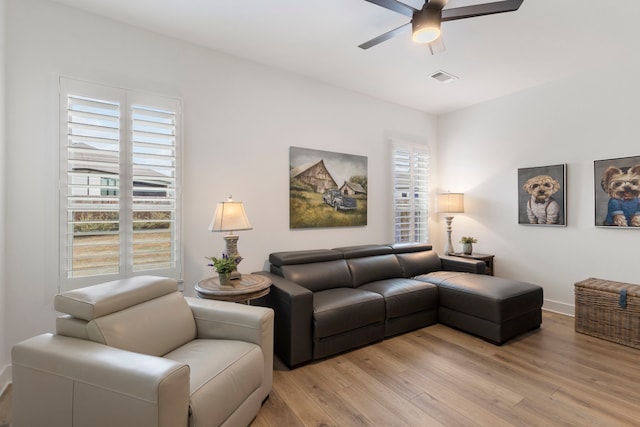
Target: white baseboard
[[5, 378], [559, 307]]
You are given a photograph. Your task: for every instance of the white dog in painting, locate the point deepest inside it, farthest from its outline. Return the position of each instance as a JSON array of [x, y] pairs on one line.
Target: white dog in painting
[[542, 208]]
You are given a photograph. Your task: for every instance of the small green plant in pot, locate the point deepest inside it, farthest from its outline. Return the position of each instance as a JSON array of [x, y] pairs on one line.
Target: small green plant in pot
[[224, 266], [467, 244]]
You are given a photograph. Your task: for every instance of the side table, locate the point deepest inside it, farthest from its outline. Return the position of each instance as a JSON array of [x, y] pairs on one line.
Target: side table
[[487, 258], [244, 289]]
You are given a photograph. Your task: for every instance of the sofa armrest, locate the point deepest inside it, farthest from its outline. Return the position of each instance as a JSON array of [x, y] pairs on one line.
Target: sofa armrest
[[293, 306], [233, 321], [453, 263], [60, 380]]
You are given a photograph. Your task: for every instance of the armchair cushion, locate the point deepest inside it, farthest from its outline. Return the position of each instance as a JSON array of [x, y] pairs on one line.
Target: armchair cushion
[[146, 327], [221, 386], [230, 321]]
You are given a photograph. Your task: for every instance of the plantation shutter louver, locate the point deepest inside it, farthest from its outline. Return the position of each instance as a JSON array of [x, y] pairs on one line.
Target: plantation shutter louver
[[154, 188], [119, 181], [92, 203], [410, 192]]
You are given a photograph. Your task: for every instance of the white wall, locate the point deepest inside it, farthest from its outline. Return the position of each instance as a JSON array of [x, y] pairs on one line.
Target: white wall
[[575, 121], [4, 359], [240, 119]]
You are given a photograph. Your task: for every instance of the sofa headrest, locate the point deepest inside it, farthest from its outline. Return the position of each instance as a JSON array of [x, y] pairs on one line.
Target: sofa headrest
[[303, 257], [403, 248], [99, 300], [417, 263], [364, 250], [319, 276]]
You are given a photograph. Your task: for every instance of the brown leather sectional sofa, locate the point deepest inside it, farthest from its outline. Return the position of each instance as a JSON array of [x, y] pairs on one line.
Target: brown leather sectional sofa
[[328, 301]]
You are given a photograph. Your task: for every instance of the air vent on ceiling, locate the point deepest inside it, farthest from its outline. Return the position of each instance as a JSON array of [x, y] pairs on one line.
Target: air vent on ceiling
[[443, 76]]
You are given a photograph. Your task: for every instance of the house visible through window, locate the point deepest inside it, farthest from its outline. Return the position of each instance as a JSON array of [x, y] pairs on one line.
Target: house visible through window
[[120, 172], [410, 192], [109, 186]]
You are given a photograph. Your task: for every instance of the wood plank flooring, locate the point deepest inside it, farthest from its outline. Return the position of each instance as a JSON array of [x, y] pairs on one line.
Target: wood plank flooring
[[438, 376]]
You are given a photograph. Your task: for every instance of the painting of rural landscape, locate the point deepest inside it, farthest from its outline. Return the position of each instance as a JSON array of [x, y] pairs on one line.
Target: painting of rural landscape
[[326, 189]]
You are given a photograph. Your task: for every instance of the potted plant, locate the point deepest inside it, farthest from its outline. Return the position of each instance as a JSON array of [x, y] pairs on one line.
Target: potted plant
[[224, 266], [467, 244]]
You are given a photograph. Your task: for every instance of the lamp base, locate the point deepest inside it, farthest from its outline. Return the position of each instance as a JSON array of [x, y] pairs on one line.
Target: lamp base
[[448, 249], [232, 250]]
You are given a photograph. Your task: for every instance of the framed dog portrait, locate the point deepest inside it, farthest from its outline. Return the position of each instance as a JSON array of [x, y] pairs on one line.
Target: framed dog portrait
[[542, 194], [617, 192]]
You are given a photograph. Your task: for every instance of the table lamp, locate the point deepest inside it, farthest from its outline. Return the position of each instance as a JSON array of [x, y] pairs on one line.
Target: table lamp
[[230, 216], [449, 203]]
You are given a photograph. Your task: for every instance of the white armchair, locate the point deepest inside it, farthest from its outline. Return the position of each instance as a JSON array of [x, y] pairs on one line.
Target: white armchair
[[136, 352]]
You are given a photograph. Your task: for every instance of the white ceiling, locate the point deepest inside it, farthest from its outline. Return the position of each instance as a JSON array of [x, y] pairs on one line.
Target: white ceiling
[[492, 55]]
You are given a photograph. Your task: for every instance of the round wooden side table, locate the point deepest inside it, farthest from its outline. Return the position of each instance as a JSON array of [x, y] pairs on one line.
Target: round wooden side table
[[244, 289]]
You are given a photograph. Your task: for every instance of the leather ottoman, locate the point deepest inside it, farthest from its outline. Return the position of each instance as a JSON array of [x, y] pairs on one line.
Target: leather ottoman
[[493, 308]]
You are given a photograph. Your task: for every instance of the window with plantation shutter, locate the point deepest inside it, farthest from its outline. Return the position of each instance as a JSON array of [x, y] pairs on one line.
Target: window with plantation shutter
[[119, 175], [410, 192]]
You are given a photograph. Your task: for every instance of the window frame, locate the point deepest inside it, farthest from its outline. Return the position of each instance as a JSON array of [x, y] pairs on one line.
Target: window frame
[[126, 99]]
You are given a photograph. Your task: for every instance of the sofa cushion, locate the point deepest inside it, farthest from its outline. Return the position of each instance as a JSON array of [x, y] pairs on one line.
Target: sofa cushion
[[146, 328], [373, 268], [416, 263], [318, 276], [219, 385], [404, 296], [344, 309]]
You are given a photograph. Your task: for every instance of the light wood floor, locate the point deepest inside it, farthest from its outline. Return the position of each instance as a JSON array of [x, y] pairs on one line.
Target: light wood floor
[[438, 376]]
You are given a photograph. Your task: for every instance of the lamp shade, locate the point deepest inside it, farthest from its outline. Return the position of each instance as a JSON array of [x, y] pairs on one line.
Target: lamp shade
[[451, 202], [229, 216]]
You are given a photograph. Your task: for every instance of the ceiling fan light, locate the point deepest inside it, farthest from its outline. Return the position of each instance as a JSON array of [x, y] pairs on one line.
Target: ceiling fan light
[[426, 35], [426, 25]]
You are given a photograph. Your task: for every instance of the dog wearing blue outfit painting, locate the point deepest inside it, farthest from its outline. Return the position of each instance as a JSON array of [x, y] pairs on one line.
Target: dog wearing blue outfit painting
[[623, 187]]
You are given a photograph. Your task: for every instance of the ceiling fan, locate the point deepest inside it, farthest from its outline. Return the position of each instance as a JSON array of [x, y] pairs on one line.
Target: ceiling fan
[[425, 22]]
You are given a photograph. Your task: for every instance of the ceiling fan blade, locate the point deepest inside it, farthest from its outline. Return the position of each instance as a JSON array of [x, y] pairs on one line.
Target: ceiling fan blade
[[480, 10], [436, 46], [385, 36], [395, 6]]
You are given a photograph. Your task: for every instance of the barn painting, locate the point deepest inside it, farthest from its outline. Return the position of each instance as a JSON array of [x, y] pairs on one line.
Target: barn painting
[[351, 189], [326, 189], [315, 175]]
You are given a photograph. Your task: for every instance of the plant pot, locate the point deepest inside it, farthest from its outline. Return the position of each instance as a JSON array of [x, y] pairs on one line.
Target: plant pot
[[467, 248], [225, 279]]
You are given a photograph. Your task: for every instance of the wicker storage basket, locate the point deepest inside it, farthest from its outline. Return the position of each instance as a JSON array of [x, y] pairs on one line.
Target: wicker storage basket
[[608, 310]]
